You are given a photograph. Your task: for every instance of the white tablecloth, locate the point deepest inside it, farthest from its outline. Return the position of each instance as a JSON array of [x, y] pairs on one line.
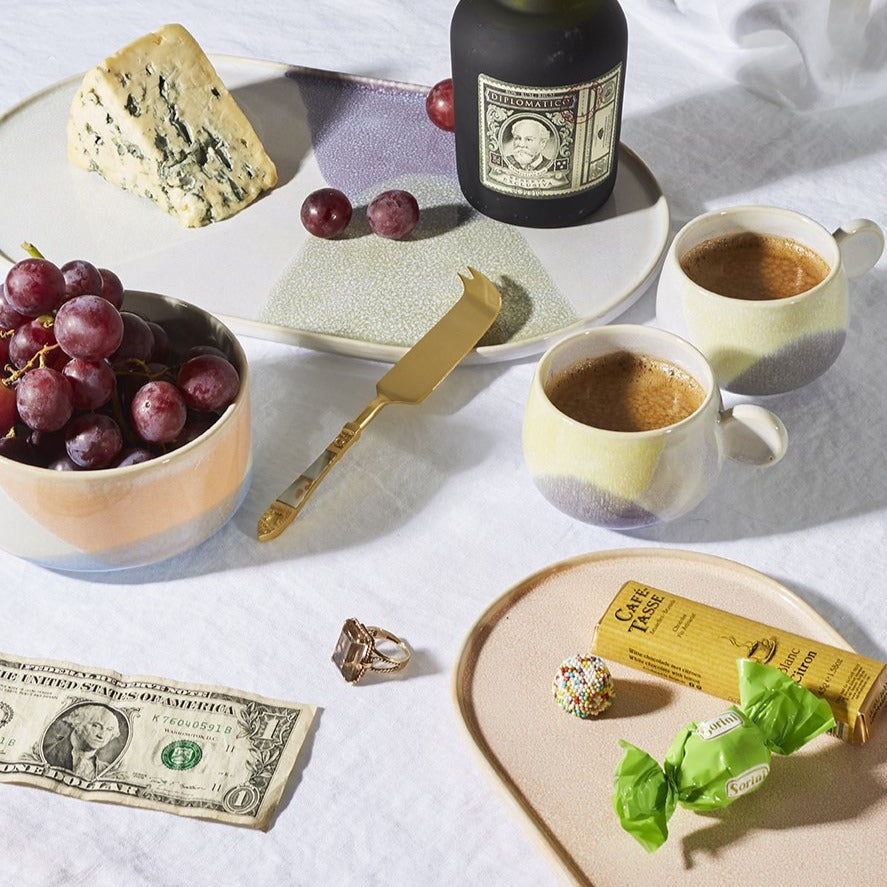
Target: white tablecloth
[[433, 516]]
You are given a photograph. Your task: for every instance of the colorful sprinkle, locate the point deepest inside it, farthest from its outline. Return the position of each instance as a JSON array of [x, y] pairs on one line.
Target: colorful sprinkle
[[583, 686]]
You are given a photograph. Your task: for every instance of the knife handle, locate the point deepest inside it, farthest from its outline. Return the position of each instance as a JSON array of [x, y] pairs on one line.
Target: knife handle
[[283, 511], [304, 485]]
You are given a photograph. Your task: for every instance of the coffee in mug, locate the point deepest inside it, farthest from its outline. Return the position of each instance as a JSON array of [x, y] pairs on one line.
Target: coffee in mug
[[672, 431], [763, 293], [755, 266], [625, 391]]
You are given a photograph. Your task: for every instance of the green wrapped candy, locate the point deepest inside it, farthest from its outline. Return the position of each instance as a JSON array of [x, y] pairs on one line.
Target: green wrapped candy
[[712, 763]]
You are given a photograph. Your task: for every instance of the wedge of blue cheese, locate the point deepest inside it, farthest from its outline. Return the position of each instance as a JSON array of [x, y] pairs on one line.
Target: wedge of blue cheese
[[156, 120]]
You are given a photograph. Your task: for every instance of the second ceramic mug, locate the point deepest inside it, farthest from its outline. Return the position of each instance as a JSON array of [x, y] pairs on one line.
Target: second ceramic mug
[[630, 479], [773, 345]]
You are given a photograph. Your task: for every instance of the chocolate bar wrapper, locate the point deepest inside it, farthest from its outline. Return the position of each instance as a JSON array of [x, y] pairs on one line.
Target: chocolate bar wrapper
[[686, 641]]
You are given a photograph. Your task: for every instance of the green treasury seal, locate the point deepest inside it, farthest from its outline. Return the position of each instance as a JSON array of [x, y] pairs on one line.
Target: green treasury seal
[[183, 754]]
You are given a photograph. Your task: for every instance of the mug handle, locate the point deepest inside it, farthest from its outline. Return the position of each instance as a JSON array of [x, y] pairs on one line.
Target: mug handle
[[753, 435], [861, 242]]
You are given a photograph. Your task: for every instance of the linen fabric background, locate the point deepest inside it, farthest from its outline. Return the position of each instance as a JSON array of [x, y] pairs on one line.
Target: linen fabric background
[[432, 516], [804, 54]]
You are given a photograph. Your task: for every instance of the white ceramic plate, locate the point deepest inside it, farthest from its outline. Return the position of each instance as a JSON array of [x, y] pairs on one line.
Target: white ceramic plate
[[822, 811], [359, 295]]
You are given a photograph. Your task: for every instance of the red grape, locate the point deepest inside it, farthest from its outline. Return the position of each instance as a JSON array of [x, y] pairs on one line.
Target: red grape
[[4, 350], [133, 456], [439, 105], [88, 327], [8, 409], [34, 287], [137, 342], [48, 445], [30, 338], [19, 450], [158, 412], [198, 350], [93, 440], [128, 383], [326, 212], [44, 399], [81, 279], [9, 317], [195, 425], [208, 382], [393, 214], [112, 288], [63, 463], [92, 382], [162, 349]]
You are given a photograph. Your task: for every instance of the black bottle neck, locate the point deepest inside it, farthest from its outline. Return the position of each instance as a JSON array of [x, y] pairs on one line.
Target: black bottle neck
[[542, 7]]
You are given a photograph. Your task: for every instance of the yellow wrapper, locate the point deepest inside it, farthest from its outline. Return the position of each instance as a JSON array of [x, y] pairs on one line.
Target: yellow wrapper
[[696, 645]]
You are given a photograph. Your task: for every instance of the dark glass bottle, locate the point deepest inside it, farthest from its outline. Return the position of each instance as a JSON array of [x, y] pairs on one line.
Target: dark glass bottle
[[537, 91]]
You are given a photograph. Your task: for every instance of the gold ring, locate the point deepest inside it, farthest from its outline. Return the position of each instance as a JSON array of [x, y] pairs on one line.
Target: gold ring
[[356, 652]]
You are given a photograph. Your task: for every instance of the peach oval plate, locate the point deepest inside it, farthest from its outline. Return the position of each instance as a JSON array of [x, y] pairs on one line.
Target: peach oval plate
[[821, 817]]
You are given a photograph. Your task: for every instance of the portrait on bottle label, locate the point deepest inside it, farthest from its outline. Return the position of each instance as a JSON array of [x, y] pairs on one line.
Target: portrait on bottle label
[[546, 142]]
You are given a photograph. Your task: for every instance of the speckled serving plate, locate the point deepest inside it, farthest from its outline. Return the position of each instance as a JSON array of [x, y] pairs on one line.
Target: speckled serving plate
[[819, 819], [359, 295]]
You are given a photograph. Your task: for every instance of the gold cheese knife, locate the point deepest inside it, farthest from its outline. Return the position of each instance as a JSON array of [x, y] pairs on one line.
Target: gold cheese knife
[[409, 381]]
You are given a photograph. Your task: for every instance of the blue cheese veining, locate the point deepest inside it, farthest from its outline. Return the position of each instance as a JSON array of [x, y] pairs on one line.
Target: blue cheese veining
[[156, 120]]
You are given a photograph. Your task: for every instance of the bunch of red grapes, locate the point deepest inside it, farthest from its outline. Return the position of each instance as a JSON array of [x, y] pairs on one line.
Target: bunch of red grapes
[[87, 385]]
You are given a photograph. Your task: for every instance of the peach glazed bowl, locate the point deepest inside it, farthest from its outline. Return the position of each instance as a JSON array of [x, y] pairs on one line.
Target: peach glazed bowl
[[136, 514]]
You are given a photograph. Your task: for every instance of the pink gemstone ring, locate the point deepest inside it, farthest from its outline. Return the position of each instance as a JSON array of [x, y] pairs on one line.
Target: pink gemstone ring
[[356, 652]]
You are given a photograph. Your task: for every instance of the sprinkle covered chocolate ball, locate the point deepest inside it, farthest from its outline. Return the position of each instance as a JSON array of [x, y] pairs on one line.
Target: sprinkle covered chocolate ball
[[583, 686]]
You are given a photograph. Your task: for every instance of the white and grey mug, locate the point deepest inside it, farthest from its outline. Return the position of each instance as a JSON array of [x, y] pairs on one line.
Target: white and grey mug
[[773, 344], [625, 479]]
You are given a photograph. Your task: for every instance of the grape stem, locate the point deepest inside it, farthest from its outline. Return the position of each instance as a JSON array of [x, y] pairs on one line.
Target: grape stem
[[40, 359], [32, 250], [134, 366]]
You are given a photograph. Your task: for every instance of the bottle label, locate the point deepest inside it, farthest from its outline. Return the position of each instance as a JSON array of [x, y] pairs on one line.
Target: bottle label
[[542, 141]]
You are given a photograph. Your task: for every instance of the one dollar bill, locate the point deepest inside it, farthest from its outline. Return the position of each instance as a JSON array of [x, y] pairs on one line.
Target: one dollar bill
[[189, 749]]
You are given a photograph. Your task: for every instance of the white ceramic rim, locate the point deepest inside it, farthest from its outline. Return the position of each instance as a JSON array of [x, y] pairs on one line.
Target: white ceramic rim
[[825, 245], [629, 337], [654, 221]]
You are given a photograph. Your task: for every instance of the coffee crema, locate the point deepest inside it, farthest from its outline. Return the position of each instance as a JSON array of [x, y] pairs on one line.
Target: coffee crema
[[754, 267], [625, 391]]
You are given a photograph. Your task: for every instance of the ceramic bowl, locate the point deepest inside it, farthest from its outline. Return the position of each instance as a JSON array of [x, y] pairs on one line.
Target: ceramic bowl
[[126, 517]]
